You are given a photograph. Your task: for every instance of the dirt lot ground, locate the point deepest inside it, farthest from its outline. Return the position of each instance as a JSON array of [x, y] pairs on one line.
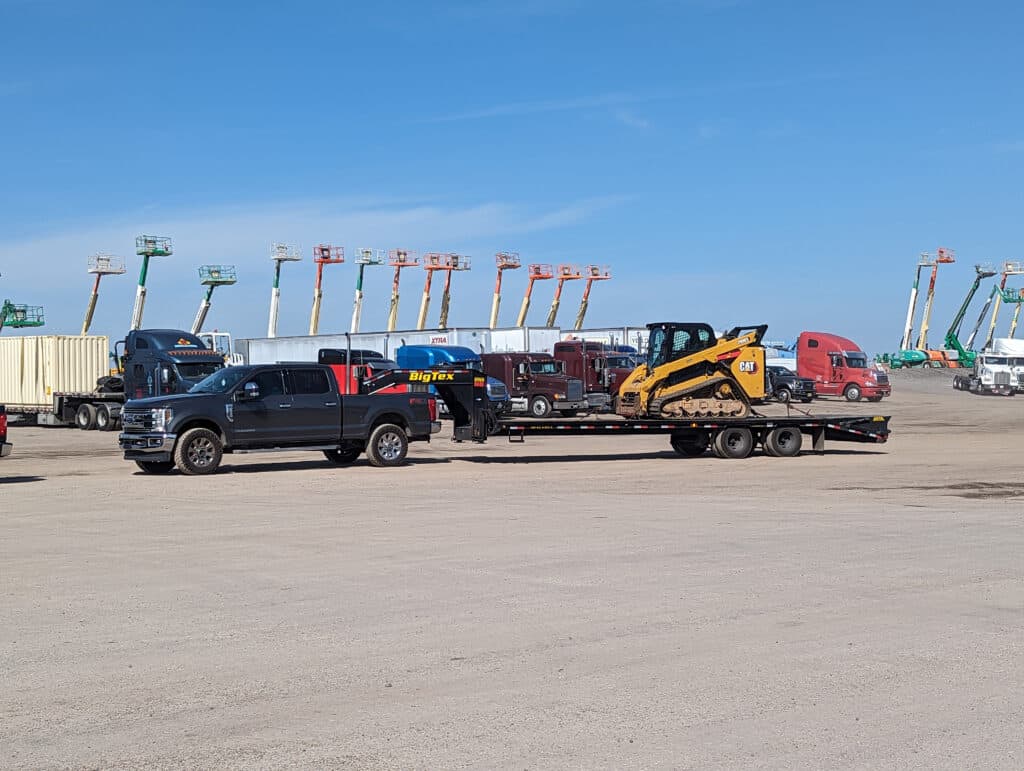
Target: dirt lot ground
[[574, 602]]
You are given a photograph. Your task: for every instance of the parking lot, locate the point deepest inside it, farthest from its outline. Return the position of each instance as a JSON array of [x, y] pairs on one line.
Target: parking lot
[[570, 601]]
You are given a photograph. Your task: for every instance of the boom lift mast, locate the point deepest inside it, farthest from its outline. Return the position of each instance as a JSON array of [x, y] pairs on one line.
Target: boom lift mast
[[1009, 269], [965, 355], [593, 273], [942, 257], [102, 265], [279, 253], [398, 259], [147, 247], [323, 254], [565, 273], [211, 276], [534, 273], [366, 257], [504, 261]]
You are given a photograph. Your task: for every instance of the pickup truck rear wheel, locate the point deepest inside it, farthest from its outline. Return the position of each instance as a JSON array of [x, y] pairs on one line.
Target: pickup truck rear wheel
[[155, 466], [388, 445], [85, 417], [199, 451], [343, 457]]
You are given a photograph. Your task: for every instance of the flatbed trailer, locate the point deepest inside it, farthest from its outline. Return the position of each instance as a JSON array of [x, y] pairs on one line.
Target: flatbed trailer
[[778, 436]]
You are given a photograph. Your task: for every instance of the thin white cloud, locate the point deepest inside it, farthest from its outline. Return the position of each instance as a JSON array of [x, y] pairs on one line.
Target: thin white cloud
[[1014, 146], [509, 109], [628, 118]]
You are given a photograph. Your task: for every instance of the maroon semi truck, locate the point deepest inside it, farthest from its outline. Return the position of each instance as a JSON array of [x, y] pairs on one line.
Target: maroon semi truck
[[601, 368], [537, 383]]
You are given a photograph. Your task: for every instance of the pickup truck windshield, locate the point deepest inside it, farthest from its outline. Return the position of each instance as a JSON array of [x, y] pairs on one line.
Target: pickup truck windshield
[[545, 368], [221, 381]]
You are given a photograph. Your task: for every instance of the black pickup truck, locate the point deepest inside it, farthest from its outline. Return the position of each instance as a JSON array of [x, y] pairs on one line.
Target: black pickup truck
[[5, 446], [786, 385], [267, 407]]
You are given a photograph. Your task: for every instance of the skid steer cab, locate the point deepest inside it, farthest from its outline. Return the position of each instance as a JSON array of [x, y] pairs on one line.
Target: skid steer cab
[[691, 372]]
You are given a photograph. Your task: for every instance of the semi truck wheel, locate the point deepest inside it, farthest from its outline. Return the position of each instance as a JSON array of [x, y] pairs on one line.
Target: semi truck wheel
[[199, 451], [733, 443], [85, 417], [852, 393], [692, 445], [155, 466], [540, 407], [388, 445], [104, 420], [783, 442], [343, 457]]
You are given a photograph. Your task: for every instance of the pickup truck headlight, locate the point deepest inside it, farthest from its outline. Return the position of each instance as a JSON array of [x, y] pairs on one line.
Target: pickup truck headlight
[[162, 418]]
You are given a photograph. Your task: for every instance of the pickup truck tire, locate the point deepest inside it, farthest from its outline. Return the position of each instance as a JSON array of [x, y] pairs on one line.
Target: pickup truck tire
[[104, 420], [783, 442], [733, 443], [388, 445], [784, 395], [199, 451], [343, 457], [85, 417], [540, 407], [807, 399], [852, 393], [155, 466]]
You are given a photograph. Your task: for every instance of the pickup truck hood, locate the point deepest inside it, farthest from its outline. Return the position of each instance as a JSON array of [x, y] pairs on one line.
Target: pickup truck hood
[[171, 400]]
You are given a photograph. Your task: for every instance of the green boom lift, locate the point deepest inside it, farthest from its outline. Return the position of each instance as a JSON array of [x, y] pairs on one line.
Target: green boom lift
[[19, 316], [965, 355]]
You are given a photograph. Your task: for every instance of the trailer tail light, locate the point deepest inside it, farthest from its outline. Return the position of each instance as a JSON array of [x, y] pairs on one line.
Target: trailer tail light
[[3, 424]]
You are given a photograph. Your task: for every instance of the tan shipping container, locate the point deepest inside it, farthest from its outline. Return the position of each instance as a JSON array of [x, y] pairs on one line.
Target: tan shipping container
[[33, 368]]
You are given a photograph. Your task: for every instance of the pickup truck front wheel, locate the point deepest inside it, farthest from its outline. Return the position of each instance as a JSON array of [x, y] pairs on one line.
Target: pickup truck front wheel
[[199, 451], [388, 445]]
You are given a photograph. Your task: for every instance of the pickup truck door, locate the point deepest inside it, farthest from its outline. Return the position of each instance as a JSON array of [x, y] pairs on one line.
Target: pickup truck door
[[316, 409], [266, 419]]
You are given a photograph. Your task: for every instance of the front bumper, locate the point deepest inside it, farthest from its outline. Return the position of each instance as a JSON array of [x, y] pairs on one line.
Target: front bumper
[[598, 400], [148, 446], [5, 449], [882, 390], [566, 406]]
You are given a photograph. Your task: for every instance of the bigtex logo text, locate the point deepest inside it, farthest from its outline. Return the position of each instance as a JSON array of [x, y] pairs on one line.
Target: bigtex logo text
[[431, 377]]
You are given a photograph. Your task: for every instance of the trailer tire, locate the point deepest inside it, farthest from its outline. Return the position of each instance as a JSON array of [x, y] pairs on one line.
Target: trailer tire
[[540, 407], [691, 446], [104, 420], [784, 395], [199, 451], [733, 442], [155, 466], [852, 393], [85, 417], [388, 445], [343, 457], [783, 442]]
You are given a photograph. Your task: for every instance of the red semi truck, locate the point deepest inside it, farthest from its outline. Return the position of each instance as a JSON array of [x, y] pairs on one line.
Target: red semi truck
[[601, 368], [839, 367]]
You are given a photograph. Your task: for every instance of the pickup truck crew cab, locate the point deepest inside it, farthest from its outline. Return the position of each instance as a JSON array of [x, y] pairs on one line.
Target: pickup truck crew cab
[[287, 407]]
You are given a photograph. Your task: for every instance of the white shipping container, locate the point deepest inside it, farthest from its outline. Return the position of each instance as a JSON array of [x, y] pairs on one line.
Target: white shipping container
[[33, 368], [267, 350]]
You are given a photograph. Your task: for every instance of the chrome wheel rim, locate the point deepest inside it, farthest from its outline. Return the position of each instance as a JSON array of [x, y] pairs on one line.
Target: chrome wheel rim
[[389, 446], [200, 452]]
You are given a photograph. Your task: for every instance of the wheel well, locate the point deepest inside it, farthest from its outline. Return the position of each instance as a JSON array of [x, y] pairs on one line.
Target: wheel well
[[201, 423], [390, 417]]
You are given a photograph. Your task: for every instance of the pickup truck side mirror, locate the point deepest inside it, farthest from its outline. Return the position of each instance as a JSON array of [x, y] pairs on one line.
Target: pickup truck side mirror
[[249, 392]]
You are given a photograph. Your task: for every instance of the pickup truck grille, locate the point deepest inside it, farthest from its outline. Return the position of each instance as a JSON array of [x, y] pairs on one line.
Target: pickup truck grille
[[137, 421], [574, 390]]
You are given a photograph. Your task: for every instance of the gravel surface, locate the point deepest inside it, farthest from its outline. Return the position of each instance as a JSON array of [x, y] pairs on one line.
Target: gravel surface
[[581, 602]]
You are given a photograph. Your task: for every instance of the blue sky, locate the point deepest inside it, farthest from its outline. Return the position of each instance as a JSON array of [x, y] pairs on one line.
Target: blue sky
[[735, 161]]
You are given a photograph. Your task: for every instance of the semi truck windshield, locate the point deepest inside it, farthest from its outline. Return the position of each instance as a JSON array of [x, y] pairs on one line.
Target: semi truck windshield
[[221, 381]]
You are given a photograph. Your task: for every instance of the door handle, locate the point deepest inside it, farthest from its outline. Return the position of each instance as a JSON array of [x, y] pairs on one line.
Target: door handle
[[284, 406], [330, 404]]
